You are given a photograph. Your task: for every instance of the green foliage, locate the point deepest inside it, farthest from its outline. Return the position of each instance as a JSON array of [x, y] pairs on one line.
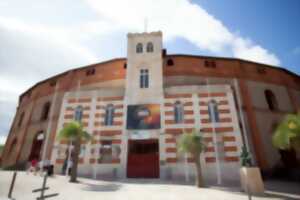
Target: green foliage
[[245, 158], [1, 147], [73, 130], [191, 143], [287, 134]]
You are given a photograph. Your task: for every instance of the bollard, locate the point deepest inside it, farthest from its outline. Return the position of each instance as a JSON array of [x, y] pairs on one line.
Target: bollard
[[11, 188], [42, 190]]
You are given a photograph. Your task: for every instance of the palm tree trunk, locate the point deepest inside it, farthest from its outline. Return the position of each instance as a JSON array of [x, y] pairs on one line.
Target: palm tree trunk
[[199, 180], [75, 160]]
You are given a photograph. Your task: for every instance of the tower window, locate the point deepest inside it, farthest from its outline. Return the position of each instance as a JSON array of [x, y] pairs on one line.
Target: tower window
[[178, 112], [144, 78], [170, 62], [139, 48], [45, 111], [109, 115], [78, 113], [213, 111], [149, 47], [125, 65], [271, 100]]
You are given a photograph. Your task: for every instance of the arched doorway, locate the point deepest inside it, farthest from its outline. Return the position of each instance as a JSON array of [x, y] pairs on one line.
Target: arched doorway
[[36, 146]]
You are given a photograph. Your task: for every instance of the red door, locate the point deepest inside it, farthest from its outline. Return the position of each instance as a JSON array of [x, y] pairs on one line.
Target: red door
[[143, 159]]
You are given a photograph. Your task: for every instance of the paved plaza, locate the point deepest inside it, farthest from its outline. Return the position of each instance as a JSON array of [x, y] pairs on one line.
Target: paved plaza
[[134, 189]]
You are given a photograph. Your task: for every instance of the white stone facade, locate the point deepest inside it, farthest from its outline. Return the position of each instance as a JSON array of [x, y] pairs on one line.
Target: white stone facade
[[219, 162]]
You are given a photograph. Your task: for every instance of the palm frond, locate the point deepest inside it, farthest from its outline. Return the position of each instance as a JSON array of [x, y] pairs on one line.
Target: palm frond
[[191, 142], [73, 130], [287, 134]]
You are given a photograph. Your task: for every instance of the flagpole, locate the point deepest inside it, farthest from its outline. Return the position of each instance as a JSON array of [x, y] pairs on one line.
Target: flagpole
[[213, 120]]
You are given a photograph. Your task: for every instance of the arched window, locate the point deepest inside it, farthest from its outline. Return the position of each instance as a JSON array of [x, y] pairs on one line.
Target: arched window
[[21, 119], [149, 47], [45, 111], [178, 112], [109, 115], [78, 113], [144, 78], [271, 100], [139, 48], [213, 111]]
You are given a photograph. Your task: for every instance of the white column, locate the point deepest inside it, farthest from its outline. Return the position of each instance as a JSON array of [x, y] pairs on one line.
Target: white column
[[239, 102], [215, 142], [91, 129]]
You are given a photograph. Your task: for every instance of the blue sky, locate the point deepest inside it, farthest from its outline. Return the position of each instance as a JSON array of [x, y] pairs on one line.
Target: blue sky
[[272, 23], [42, 38]]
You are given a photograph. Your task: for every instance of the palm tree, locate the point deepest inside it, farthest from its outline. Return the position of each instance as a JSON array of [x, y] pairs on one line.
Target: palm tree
[[287, 134], [193, 143], [73, 131]]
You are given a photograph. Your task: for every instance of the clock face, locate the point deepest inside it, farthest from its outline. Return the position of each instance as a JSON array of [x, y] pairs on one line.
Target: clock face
[[146, 116]]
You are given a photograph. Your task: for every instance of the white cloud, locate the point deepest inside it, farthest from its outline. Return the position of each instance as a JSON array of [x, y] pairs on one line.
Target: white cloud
[[181, 18], [245, 49], [2, 139], [36, 44], [30, 53]]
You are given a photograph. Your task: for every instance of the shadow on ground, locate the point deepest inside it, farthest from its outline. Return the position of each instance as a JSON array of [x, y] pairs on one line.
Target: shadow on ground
[[110, 187]]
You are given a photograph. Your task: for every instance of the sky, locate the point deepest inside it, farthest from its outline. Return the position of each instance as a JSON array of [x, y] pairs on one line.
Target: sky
[[40, 38]]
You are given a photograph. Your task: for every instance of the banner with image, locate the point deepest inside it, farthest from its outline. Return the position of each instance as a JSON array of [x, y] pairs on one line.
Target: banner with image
[[145, 116]]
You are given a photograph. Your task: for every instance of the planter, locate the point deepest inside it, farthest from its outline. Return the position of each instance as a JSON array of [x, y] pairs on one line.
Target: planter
[[251, 180]]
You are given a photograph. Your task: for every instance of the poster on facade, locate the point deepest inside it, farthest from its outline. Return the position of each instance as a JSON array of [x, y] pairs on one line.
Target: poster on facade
[[146, 116]]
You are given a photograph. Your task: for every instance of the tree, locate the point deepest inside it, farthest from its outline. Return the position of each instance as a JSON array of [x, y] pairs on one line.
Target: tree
[[287, 133], [74, 132], [193, 143]]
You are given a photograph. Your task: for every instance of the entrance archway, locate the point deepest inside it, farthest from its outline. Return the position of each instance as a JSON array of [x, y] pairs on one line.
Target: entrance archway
[[36, 146], [143, 159]]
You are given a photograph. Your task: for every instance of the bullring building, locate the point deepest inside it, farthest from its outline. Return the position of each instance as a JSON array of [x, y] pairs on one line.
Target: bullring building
[[137, 107]]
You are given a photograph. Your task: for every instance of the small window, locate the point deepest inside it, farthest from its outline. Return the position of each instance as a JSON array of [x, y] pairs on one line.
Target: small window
[[78, 113], [149, 47], [106, 151], [52, 83], [139, 48], [164, 52], [260, 69], [170, 62], [109, 115], [213, 64], [144, 78], [210, 64], [213, 111], [271, 100], [90, 72], [178, 112], [125, 66], [206, 63], [21, 119], [45, 111]]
